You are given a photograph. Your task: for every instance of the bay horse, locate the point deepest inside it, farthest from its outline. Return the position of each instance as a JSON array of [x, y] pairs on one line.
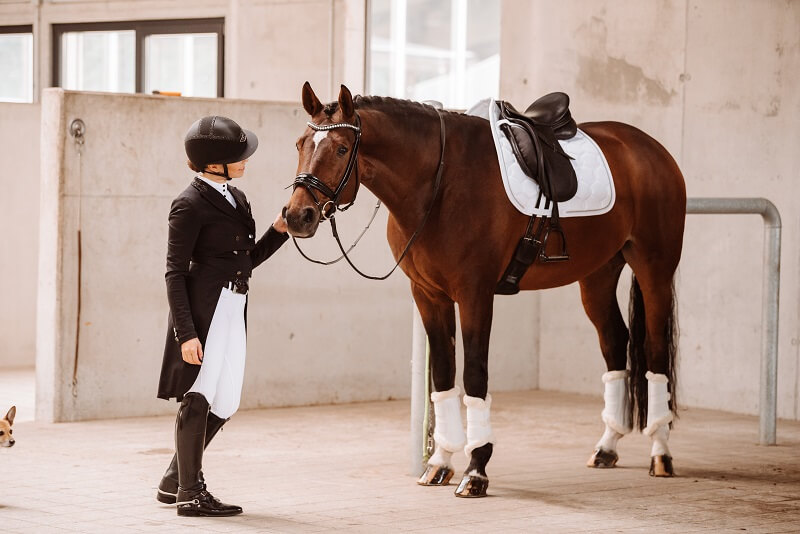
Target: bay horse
[[438, 174]]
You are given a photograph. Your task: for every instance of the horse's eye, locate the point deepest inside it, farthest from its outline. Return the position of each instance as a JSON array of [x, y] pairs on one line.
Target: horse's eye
[[1, 432], [342, 150]]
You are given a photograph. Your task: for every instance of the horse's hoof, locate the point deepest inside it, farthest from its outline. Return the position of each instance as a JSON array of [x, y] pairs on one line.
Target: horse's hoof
[[602, 459], [436, 475], [472, 486], [661, 466]]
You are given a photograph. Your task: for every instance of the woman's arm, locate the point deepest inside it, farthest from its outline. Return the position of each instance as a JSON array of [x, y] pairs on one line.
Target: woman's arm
[[271, 241], [184, 227]]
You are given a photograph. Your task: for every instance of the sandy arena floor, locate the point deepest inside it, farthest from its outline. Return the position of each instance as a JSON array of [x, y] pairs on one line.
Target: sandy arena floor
[[329, 468]]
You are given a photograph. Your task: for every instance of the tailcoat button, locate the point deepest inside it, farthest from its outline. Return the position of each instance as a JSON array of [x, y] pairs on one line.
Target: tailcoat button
[[236, 252], [238, 273], [250, 236]]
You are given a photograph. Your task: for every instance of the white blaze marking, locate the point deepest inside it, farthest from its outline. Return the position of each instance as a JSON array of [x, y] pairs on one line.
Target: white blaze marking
[[318, 137]]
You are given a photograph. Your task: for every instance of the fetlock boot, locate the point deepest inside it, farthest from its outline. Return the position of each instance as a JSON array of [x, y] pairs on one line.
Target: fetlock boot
[[193, 498], [168, 487]]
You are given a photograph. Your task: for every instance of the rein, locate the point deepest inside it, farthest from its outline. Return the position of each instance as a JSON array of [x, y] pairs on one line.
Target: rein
[[310, 181]]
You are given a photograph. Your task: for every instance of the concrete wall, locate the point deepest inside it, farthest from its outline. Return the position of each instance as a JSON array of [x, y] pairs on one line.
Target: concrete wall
[[316, 334], [717, 83], [19, 213]]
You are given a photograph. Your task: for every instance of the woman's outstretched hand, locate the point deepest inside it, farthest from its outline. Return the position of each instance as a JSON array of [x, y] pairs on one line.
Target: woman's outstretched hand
[[280, 224], [192, 351]]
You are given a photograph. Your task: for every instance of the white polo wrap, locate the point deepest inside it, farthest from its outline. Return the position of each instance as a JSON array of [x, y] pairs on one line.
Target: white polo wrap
[[658, 412], [479, 427], [449, 430], [616, 413], [659, 415]]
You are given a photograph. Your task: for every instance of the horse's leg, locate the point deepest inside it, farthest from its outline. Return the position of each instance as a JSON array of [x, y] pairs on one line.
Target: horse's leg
[[652, 289], [438, 316], [476, 325], [599, 296]]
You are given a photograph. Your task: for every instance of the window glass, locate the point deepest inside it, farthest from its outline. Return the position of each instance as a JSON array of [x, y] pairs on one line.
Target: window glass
[[435, 50], [184, 63], [99, 61], [16, 66]]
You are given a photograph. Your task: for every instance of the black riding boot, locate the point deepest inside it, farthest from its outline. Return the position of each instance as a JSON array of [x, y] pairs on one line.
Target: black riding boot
[[168, 487], [190, 432]]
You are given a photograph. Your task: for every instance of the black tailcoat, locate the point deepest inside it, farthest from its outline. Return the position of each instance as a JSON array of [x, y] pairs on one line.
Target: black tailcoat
[[210, 243]]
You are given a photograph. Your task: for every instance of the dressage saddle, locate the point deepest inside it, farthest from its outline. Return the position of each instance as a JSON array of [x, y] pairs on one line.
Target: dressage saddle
[[534, 136], [534, 139]]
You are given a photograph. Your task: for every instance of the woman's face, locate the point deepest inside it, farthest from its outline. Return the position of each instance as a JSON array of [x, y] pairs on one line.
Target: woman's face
[[235, 170]]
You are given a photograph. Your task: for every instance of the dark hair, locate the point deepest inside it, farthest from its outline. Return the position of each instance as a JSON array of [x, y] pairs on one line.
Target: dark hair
[[193, 166]]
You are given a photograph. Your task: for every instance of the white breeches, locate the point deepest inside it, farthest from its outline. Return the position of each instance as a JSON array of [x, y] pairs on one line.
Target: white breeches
[[222, 371], [659, 415], [479, 427], [616, 412]]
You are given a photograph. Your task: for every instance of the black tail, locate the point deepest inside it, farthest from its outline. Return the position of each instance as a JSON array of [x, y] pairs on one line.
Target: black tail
[[636, 355]]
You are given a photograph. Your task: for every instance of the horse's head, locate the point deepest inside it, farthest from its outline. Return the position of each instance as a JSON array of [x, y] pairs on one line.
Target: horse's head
[[327, 177]]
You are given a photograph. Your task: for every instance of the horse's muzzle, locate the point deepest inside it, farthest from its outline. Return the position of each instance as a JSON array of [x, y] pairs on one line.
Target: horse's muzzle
[[302, 221]]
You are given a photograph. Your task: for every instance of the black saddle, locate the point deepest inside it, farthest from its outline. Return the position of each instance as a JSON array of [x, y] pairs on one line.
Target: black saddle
[[534, 138]]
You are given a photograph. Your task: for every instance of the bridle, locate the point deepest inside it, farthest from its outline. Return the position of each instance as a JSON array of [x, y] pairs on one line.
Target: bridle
[[311, 182]]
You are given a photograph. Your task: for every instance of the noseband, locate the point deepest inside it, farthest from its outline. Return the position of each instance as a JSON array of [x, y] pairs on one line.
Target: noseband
[[311, 182]]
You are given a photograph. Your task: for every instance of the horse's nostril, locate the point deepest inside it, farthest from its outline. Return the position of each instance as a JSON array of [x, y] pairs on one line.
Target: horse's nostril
[[308, 215]]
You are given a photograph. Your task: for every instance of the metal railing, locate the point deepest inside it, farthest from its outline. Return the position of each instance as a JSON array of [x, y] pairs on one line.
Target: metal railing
[[767, 403], [769, 324]]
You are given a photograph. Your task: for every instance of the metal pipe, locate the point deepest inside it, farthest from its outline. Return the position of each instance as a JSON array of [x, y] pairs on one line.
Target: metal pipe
[[769, 299], [419, 342]]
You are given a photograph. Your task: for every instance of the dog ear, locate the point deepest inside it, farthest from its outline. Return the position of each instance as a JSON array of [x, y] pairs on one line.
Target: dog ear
[[311, 103], [10, 415]]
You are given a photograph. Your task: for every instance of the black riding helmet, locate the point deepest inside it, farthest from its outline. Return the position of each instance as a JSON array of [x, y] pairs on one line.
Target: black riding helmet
[[216, 139]]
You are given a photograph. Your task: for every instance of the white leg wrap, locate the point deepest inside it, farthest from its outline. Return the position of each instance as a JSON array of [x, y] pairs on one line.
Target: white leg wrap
[[441, 457], [616, 413], [608, 442], [479, 428], [658, 413], [449, 430]]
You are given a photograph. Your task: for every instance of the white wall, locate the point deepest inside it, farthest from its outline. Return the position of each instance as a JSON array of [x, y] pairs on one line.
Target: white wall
[[717, 83], [316, 334], [19, 213]]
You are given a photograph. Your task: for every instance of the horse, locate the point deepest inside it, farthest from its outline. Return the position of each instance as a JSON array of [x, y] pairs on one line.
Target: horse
[[452, 230]]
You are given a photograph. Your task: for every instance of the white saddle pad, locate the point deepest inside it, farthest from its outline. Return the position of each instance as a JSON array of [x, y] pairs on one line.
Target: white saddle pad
[[596, 194]]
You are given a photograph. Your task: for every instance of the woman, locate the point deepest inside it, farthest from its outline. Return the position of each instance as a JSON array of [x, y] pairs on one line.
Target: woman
[[211, 254]]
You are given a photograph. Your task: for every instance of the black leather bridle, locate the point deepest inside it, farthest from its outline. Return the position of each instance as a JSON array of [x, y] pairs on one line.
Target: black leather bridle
[[311, 182]]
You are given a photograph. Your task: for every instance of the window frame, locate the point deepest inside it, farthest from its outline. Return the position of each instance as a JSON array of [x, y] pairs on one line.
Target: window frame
[[144, 29], [24, 28]]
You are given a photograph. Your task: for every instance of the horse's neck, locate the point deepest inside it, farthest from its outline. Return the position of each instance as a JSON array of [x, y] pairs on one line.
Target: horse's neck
[[400, 163]]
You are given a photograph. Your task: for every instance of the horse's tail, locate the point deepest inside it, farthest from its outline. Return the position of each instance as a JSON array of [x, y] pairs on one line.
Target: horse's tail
[[636, 355]]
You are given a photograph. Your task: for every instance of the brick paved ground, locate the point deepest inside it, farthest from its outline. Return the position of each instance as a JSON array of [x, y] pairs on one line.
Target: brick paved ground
[[327, 468]]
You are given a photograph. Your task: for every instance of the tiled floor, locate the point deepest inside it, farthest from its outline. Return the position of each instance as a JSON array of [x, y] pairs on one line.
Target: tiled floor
[[329, 468]]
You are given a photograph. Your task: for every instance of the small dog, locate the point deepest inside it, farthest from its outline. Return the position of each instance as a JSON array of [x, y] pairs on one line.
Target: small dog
[[6, 434]]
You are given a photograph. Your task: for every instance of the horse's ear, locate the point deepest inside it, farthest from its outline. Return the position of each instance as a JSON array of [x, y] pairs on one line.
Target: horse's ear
[[11, 414], [311, 103], [346, 103]]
